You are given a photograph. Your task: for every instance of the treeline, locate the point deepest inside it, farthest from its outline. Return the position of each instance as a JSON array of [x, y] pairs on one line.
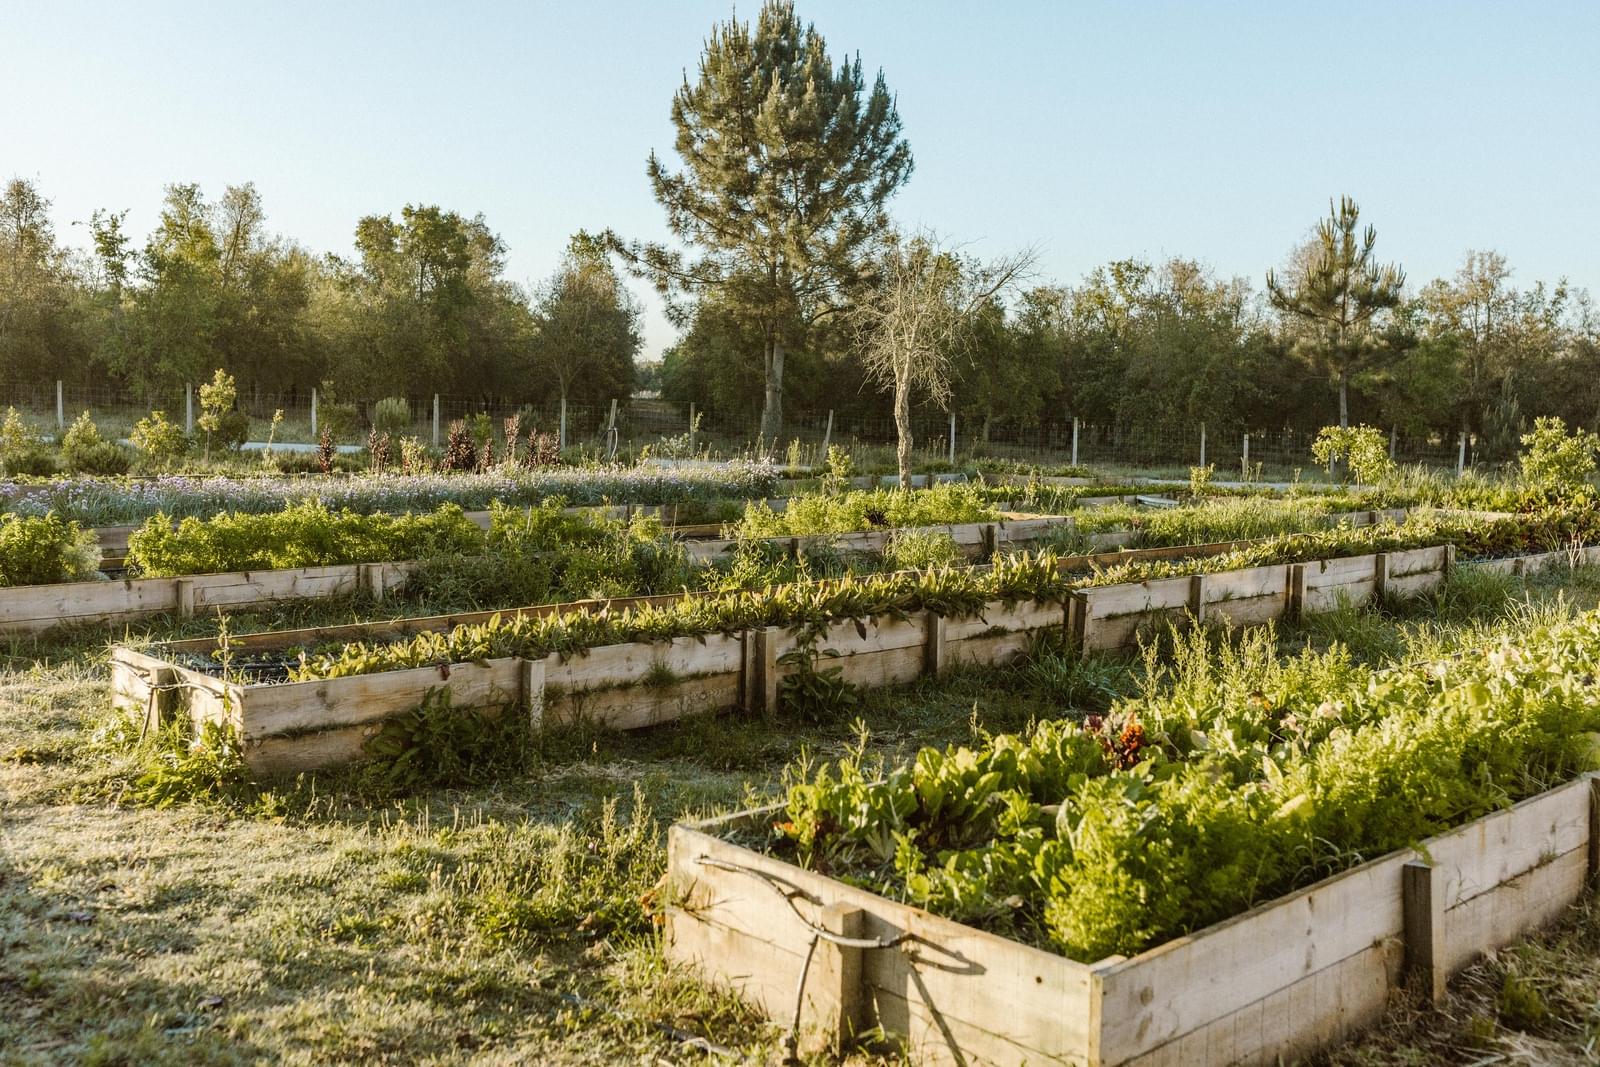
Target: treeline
[[420, 305], [1138, 345]]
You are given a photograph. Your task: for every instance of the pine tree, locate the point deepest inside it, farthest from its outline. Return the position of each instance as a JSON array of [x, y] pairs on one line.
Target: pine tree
[[788, 162], [1338, 291]]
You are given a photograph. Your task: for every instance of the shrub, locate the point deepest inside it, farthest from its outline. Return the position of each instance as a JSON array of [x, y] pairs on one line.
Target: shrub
[[823, 513], [392, 416], [37, 550], [159, 440], [414, 458], [921, 549], [1553, 457], [86, 452], [221, 425], [21, 450], [302, 535], [335, 416], [1363, 448]]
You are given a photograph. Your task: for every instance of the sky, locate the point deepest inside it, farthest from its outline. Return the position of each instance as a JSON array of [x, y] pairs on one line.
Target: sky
[[1089, 132]]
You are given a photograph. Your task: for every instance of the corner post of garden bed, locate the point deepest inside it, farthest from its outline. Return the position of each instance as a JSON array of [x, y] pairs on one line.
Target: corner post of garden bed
[[1197, 598], [1077, 619], [758, 674], [1094, 1029], [1297, 592], [934, 654], [1380, 577], [530, 695], [183, 597], [1422, 894], [1593, 880], [370, 579], [835, 999]]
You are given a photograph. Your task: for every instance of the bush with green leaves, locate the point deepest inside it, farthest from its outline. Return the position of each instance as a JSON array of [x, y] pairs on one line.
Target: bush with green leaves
[[1231, 779], [219, 424], [158, 440], [1554, 458], [87, 452], [39, 550], [870, 509], [392, 416], [301, 535], [22, 452], [1363, 449]]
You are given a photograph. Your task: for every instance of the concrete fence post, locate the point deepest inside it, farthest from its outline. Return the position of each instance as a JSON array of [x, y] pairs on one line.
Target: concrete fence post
[[435, 420], [952, 438], [1074, 440], [61, 407], [1461, 454], [313, 413], [1202, 444], [188, 407], [561, 428]]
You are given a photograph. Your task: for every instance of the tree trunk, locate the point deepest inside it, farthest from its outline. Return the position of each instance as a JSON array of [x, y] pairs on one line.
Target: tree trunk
[[1344, 400], [772, 409], [902, 428]]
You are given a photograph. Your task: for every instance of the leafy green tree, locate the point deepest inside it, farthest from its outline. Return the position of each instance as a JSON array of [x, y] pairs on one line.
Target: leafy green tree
[[1552, 456], [1337, 295], [788, 163], [40, 335], [587, 326]]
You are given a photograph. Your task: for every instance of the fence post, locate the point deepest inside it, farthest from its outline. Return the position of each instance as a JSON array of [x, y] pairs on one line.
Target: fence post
[[1202, 444], [1246, 460], [61, 407], [827, 434], [561, 430], [1074, 440], [435, 420], [611, 431], [1392, 432], [691, 428], [188, 407], [1461, 454], [952, 439], [313, 413]]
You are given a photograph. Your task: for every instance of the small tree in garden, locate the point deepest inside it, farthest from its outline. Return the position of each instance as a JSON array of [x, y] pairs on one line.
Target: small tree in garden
[[1337, 292], [918, 320], [1552, 456], [1362, 450], [160, 440], [218, 421]]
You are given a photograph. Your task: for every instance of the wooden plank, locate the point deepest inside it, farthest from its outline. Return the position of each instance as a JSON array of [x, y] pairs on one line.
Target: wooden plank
[[640, 706], [1027, 615], [610, 666], [946, 972], [269, 710], [1509, 912], [1193, 981], [1499, 847]]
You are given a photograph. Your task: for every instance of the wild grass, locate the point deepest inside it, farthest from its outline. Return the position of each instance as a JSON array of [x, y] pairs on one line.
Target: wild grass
[[326, 919]]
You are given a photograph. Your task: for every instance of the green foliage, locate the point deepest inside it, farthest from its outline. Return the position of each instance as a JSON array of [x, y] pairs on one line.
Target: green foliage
[[1552, 457], [160, 441], [179, 768], [219, 423], [437, 744], [335, 417], [42, 550], [921, 549], [807, 693], [86, 452], [392, 416], [834, 513], [21, 450], [301, 535], [1363, 448]]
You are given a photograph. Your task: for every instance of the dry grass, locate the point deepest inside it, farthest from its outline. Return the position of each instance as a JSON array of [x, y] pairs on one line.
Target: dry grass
[[504, 924]]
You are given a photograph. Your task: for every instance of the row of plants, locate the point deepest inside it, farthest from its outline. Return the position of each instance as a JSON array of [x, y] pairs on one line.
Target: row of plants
[[108, 501], [952, 591], [867, 509], [1229, 780]]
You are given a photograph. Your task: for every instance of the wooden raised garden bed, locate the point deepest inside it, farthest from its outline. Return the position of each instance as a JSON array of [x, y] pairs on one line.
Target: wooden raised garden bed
[[305, 725], [1278, 982]]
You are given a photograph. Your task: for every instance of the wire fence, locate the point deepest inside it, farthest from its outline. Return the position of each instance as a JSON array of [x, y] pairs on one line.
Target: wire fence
[[627, 425]]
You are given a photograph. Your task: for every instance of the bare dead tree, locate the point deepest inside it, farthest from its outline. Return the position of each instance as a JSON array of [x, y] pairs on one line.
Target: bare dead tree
[[918, 320]]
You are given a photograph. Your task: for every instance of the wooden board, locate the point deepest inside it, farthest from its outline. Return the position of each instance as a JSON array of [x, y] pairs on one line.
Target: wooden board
[[948, 982]]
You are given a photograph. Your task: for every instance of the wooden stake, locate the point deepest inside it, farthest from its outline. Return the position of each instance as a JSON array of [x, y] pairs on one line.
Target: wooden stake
[[838, 996], [530, 677], [933, 652], [435, 420], [185, 595], [1422, 902], [827, 435]]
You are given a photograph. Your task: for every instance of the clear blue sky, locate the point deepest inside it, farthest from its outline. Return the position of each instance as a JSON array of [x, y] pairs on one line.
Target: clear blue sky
[[1091, 131]]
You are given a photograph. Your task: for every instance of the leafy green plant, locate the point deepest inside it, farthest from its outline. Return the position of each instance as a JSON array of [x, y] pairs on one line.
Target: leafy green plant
[[22, 452], [834, 513], [1552, 457], [809, 694], [392, 416], [302, 535], [86, 452], [1363, 448], [38, 550], [159, 440], [218, 422], [437, 743]]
